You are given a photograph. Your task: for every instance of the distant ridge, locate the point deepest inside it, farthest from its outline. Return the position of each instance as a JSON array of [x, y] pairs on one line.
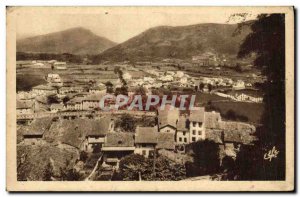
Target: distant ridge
[[76, 40], [178, 42]]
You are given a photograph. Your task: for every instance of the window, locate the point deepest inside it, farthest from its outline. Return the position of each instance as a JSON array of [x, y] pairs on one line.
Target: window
[[193, 139], [194, 132], [183, 133], [199, 132], [200, 124], [194, 124], [180, 139], [185, 140]]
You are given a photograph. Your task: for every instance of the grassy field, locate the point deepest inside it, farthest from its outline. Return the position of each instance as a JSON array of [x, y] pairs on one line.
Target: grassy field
[[253, 111], [203, 98], [30, 77]]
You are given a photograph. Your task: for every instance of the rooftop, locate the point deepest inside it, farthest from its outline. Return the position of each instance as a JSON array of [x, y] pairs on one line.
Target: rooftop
[[44, 87], [100, 127], [168, 117], [93, 97], [166, 141], [237, 126], [57, 106], [146, 135], [119, 139], [197, 115], [37, 127]]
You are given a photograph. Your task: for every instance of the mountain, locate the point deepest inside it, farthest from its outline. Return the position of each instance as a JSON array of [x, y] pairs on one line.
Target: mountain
[[77, 41], [178, 42]]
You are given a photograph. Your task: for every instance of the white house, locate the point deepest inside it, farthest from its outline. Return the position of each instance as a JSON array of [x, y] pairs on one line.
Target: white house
[[183, 133], [146, 139], [44, 89], [197, 127], [56, 107], [97, 90], [238, 85], [25, 107]]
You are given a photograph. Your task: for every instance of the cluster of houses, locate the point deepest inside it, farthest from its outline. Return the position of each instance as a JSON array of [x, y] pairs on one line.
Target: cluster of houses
[[54, 64], [172, 132], [157, 79], [209, 59], [223, 82], [246, 96], [81, 97]]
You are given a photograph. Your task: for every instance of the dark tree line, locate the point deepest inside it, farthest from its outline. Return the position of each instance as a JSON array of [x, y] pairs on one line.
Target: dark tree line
[[66, 57], [267, 41]]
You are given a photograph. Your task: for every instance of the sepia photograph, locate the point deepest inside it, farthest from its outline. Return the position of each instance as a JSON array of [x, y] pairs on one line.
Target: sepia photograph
[[150, 98]]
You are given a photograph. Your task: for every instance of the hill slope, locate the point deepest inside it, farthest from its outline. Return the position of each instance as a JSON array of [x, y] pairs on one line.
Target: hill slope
[[75, 41], [178, 42]]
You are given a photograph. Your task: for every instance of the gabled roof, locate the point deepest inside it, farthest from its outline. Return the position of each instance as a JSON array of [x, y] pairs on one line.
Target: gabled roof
[[233, 136], [237, 126], [238, 132], [93, 97], [168, 117], [37, 127], [146, 135], [119, 139], [57, 106], [75, 100], [166, 141], [197, 115], [98, 88], [99, 127], [44, 87], [214, 135]]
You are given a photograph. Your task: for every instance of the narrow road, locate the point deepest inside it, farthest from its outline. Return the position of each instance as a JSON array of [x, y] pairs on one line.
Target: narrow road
[[95, 168]]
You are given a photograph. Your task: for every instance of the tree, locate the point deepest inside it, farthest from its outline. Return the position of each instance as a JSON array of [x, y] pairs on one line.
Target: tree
[[52, 99], [135, 167], [238, 68], [206, 158], [132, 166], [210, 87], [201, 86], [230, 115], [66, 99], [267, 41], [122, 90], [83, 156], [109, 87], [48, 172], [140, 91], [126, 122], [68, 173]]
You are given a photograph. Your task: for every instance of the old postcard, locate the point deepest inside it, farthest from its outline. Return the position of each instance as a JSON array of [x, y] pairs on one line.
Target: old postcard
[[150, 99]]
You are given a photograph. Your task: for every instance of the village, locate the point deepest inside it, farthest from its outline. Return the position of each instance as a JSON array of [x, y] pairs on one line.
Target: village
[[64, 112]]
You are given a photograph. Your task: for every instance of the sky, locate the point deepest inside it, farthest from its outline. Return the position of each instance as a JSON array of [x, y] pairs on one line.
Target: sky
[[115, 23]]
